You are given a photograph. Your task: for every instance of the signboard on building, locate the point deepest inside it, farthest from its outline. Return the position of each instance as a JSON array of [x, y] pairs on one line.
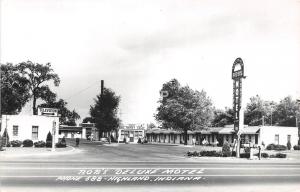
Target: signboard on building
[[48, 111]]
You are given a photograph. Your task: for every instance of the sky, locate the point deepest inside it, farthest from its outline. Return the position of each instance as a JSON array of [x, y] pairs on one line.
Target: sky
[[136, 45]]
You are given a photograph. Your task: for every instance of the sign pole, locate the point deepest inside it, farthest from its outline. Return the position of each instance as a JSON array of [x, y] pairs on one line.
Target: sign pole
[[237, 76], [53, 136]]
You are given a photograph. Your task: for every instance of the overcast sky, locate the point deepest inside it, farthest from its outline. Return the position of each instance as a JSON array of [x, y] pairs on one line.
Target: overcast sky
[[137, 45]]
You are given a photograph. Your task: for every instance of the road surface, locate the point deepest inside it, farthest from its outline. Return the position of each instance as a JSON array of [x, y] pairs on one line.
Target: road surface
[[72, 174]]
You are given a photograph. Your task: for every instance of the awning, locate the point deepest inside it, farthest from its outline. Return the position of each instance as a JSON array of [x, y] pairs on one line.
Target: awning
[[227, 131], [250, 130]]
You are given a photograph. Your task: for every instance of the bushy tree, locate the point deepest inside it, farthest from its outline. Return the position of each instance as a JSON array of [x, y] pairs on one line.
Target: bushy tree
[[259, 111], [183, 108], [286, 112], [104, 111], [37, 75], [88, 119], [223, 117], [14, 89]]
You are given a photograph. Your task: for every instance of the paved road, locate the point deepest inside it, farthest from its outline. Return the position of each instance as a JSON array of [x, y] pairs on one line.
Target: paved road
[[207, 174]]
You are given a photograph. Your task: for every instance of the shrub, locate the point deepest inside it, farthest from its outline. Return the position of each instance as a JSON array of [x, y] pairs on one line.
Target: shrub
[[16, 143], [276, 147], [139, 141], [247, 149], [278, 155], [245, 155], [271, 146], [264, 155], [297, 147], [233, 154], [280, 148], [193, 153], [226, 150], [289, 145], [211, 153], [5, 138], [49, 140], [39, 144], [27, 143], [60, 145]]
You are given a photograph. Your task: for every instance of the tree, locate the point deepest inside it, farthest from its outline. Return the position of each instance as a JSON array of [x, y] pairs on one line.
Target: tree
[[104, 111], [14, 90], [37, 75], [259, 112], [151, 125], [49, 140], [88, 119], [223, 117], [183, 108], [286, 112], [67, 117]]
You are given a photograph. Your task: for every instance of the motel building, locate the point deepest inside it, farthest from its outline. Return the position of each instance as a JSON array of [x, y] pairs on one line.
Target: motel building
[[33, 127], [256, 135]]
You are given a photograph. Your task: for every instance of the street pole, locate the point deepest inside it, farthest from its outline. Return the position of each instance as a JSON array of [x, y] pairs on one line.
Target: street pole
[[53, 136]]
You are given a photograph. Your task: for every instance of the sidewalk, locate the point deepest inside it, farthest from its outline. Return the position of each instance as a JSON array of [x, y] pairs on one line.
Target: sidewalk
[[12, 152]]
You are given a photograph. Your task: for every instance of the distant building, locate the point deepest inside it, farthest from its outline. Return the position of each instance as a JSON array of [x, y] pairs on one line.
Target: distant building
[[34, 127], [89, 130], [70, 131], [84, 131], [133, 135]]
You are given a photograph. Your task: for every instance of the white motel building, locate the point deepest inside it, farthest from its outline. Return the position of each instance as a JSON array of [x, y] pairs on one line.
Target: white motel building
[[257, 135], [33, 127]]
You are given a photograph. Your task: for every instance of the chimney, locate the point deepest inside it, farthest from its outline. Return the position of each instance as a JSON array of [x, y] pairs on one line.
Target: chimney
[[102, 86]]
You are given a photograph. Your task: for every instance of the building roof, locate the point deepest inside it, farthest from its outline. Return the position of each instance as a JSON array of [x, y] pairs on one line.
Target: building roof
[[70, 128], [210, 130]]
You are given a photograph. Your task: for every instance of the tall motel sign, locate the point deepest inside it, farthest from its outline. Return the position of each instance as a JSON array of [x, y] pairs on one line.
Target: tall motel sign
[[237, 76]]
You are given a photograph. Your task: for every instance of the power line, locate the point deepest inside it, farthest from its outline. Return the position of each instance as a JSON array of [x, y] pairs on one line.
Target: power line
[[81, 91]]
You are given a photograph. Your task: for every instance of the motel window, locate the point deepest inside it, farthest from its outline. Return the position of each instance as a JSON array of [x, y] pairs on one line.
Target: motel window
[[35, 132], [289, 138], [15, 130], [277, 139], [243, 139]]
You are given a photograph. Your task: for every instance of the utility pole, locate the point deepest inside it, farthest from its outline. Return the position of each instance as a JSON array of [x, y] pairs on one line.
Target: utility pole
[[101, 95]]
